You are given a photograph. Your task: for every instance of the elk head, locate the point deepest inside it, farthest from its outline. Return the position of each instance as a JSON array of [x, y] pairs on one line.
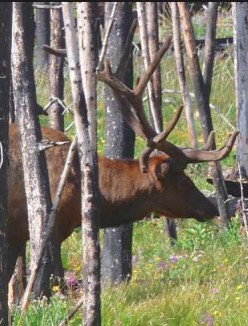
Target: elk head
[[177, 195]]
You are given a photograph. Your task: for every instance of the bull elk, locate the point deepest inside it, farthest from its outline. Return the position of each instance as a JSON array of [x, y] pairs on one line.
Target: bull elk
[[127, 194], [129, 189]]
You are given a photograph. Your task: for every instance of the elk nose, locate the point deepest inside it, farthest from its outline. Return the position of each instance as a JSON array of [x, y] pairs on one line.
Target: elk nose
[[214, 207], [212, 212]]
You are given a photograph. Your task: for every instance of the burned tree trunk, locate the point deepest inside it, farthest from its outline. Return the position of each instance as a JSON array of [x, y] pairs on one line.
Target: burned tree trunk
[[87, 154], [240, 19], [42, 34], [202, 98], [117, 244], [5, 44], [210, 47], [34, 163], [56, 64]]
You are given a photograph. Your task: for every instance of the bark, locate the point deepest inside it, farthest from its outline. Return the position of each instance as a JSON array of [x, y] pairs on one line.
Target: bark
[[240, 18], [151, 18], [42, 36], [89, 172], [5, 37], [195, 70], [11, 105], [88, 55], [56, 65], [117, 244], [34, 164], [202, 101], [143, 28], [153, 46], [210, 46], [181, 76]]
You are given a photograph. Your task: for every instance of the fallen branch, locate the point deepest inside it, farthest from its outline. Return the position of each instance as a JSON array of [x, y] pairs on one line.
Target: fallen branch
[[72, 313], [50, 225]]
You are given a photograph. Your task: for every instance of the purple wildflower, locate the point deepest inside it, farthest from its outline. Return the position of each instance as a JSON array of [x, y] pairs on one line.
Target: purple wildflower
[[174, 258], [71, 281], [163, 265], [206, 320]]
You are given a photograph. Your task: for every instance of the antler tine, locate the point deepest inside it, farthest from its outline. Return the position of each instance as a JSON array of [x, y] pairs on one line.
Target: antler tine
[[107, 77], [210, 141], [164, 134], [57, 52], [152, 144], [197, 156], [139, 89], [135, 101]]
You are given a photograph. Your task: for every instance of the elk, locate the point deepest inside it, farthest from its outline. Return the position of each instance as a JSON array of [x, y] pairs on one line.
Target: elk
[[129, 189], [127, 194]]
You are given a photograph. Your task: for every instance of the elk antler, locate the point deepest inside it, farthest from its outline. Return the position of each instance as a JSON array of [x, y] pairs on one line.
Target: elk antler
[[133, 111]]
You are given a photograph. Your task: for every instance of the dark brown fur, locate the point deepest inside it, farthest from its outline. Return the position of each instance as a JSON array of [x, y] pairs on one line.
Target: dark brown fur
[[126, 194]]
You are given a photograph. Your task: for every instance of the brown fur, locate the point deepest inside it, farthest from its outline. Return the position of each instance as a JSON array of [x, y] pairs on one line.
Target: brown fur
[[126, 194]]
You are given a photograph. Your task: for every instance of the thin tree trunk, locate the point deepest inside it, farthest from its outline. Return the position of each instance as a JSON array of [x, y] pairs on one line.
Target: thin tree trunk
[[151, 19], [153, 46], [42, 36], [5, 54], [88, 55], [117, 243], [202, 101], [240, 19], [210, 47], [181, 76], [56, 65], [34, 163], [195, 70], [142, 21], [88, 166]]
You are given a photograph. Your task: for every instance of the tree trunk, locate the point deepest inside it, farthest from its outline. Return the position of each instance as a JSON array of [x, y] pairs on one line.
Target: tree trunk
[[42, 36], [143, 29], [153, 47], [34, 163], [117, 244], [56, 65], [240, 19], [202, 101], [209, 50], [88, 55], [5, 54], [181, 76], [87, 155]]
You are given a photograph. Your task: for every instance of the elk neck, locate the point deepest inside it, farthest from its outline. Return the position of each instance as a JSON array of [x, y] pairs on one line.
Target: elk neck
[[126, 194]]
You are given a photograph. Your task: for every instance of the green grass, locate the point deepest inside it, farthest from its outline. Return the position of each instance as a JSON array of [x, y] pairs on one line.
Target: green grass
[[202, 280], [204, 276]]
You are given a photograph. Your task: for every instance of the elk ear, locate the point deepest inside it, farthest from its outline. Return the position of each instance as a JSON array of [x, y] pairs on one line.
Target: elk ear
[[161, 169]]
